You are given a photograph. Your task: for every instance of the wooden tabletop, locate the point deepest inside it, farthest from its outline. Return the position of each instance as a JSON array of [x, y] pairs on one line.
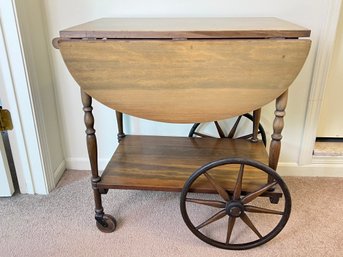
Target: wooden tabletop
[[258, 27]]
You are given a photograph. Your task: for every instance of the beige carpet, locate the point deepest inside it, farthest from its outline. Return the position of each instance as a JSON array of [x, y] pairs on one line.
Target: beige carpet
[[328, 149], [150, 224]]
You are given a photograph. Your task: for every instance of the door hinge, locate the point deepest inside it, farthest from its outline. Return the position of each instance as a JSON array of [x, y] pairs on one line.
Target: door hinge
[[5, 120]]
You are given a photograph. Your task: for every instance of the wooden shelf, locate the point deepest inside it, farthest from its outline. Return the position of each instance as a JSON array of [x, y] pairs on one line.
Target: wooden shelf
[[165, 163]]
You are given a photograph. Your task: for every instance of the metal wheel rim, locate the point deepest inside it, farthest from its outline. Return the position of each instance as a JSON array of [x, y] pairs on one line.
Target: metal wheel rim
[[274, 232], [248, 116]]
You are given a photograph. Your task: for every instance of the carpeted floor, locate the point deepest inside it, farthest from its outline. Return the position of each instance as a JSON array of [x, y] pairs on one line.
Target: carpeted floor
[[150, 223], [328, 149]]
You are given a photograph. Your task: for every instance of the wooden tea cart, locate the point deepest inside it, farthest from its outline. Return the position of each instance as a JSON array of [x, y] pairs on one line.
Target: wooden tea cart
[[192, 71]]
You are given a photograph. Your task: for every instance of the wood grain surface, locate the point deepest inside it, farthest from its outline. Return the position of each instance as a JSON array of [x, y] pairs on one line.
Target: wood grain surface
[[258, 27], [165, 163], [184, 81]]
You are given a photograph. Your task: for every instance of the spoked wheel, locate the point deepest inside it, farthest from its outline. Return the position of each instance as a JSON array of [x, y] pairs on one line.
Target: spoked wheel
[[107, 224], [239, 128], [235, 219]]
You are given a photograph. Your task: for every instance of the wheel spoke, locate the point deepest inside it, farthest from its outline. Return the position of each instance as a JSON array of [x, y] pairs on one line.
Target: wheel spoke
[[255, 209], [238, 186], [234, 127], [202, 135], [253, 195], [230, 225], [221, 191], [219, 129], [212, 203], [212, 219], [245, 137], [247, 221]]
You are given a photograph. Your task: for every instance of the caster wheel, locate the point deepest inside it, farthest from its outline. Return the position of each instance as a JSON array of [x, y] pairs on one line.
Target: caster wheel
[[274, 200], [107, 224], [103, 191], [239, 215], [239, 128]]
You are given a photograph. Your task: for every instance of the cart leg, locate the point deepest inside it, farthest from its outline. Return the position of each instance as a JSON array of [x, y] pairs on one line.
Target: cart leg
[[121, 133], [256, 123], [275, 145], [105, 223]]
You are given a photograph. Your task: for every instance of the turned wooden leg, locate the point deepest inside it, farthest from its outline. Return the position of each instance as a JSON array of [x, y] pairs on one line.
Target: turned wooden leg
[[275, 145], [256, 123], [92, 153], [121, 133]]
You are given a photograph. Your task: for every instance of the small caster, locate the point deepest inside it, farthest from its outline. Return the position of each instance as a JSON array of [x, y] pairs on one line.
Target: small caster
[[274, 199], [103, 191], [106, 224]]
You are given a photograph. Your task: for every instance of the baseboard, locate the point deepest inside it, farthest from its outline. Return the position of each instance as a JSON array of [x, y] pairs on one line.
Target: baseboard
[[83, 164], [328, 160], [59, 171], [312, 170]]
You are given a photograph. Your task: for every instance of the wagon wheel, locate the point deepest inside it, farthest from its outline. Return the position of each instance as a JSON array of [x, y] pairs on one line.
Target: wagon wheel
[[234, 219], [234, 131]]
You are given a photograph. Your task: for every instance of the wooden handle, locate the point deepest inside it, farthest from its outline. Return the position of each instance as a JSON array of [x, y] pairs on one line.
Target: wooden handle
[[55, 42]]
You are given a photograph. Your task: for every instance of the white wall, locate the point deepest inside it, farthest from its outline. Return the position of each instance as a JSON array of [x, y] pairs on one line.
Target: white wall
[[65, 13], [329, 124]]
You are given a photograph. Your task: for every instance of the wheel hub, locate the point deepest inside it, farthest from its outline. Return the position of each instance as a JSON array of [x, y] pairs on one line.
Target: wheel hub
[[234, 208]]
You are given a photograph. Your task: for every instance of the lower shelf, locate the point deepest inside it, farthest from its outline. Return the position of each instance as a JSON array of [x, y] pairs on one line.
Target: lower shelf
[[165, 163]]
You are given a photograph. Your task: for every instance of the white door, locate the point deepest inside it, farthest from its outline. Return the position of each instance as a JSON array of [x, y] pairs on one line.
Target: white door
[[30, 155], [6, 184]]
